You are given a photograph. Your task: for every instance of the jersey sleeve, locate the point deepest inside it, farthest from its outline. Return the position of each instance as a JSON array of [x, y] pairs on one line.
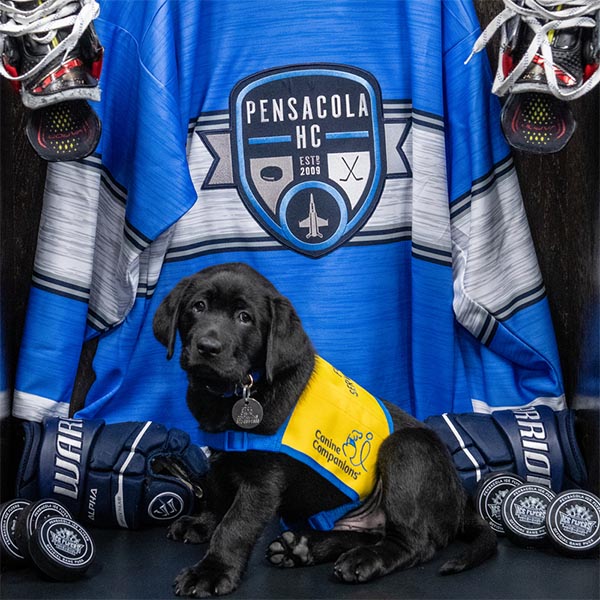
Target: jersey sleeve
[[505, 333], [101, 214]]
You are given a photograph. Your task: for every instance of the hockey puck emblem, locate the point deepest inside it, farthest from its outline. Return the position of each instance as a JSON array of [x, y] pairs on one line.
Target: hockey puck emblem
[[524, 513], [573, 521], [271, 173], [490, 496], [62, 548]]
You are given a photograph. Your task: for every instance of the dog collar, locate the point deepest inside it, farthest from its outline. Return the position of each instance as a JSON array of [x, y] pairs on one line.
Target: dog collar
[[238, 389]]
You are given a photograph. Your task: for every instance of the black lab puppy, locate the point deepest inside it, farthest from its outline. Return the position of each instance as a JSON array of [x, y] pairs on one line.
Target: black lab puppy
[[248, 362]]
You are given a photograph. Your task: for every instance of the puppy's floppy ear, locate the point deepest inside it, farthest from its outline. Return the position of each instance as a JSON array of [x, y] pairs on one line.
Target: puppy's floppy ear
[[287, 342], [166, 318]]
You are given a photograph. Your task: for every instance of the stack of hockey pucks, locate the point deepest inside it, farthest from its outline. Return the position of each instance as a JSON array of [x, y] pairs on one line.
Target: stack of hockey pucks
[[531, 515], [44, 533]]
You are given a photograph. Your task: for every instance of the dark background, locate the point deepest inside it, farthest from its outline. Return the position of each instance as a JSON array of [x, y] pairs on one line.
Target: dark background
[[561, 196]]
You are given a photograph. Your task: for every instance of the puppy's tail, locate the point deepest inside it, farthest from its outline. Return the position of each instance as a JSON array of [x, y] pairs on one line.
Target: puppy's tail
[[482, 543]]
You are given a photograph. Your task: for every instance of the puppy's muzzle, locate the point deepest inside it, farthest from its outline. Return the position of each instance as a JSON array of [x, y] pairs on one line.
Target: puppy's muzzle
[[208, 346]]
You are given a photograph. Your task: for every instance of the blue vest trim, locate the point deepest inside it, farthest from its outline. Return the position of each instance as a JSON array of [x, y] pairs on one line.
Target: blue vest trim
[[301, 457]]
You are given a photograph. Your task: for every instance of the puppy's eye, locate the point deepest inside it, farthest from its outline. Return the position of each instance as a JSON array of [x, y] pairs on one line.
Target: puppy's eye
[[244, 317], [199, 306]]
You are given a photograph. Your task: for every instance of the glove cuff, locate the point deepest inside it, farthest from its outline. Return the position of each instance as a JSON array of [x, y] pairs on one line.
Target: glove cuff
[[544, 445], [27, 483], [67, 446], [576, 474]]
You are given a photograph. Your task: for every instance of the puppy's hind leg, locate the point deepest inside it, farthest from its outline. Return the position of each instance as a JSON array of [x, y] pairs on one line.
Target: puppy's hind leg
[[423, 503], [295, 549]]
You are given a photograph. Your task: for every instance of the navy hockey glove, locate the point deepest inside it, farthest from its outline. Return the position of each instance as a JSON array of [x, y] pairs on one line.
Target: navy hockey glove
[[536, 443], [124, 474]]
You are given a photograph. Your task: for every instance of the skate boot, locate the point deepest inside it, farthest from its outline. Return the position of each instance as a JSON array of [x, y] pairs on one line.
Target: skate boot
[[52, 56], [549, 55]]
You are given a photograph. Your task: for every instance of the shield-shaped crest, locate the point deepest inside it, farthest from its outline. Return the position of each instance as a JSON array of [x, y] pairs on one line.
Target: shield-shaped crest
[[308, 152]]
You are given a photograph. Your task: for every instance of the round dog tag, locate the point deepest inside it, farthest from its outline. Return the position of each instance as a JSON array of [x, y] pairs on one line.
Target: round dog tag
[[247, 413]]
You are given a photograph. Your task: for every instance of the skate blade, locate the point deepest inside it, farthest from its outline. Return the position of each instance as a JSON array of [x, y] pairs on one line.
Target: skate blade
[[65, 131], [537, 123]]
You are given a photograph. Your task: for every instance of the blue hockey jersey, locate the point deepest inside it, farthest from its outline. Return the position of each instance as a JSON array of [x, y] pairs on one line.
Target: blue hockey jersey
[[345, 151]]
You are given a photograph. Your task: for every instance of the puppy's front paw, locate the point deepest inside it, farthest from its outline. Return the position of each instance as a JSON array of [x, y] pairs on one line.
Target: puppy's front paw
[[202, 582], [290, 550], [190, 530], [358, 565]]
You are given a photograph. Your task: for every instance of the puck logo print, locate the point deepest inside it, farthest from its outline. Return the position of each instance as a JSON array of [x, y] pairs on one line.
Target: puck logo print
[[65, 540], [308, 152]]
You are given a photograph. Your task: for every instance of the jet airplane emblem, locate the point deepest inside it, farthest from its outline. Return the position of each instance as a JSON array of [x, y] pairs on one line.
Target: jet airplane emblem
[[313, 221]]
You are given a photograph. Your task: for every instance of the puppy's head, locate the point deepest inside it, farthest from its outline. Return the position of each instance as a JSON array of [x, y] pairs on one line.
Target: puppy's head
[[232, 322]]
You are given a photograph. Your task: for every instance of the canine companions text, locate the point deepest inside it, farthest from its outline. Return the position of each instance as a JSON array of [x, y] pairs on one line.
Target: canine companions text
[[359, 481]]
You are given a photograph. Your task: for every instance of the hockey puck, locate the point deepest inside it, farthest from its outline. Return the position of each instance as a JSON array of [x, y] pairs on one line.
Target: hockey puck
[[573, 522], [271, 173], [490, 495], [524, 514], [32, 517], [62, 549], [9, 513]]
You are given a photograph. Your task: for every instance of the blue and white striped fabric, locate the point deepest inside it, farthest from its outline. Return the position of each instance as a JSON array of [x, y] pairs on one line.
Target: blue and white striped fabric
[[385, 206]]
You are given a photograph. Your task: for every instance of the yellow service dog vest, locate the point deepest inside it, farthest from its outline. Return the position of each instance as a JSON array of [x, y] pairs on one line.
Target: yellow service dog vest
[[336, 428]]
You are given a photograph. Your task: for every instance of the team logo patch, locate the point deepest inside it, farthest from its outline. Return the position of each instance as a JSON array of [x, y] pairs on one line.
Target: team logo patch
[[307, 151]]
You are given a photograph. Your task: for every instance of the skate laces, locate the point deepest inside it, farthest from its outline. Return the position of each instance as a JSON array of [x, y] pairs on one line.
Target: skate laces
[[542, 17], [41, 25]]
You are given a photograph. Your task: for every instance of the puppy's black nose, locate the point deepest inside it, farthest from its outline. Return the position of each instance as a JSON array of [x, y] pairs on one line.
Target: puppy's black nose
[[209, 345]]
